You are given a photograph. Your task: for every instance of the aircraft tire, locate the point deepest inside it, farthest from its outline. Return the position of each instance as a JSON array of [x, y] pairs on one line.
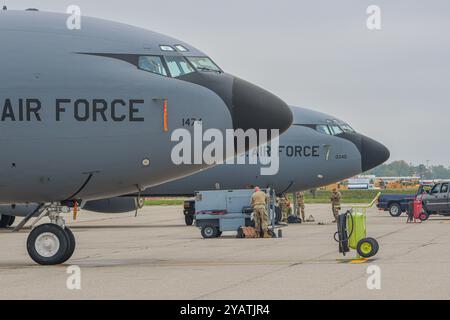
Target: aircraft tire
[[48, 244], [71, 246]]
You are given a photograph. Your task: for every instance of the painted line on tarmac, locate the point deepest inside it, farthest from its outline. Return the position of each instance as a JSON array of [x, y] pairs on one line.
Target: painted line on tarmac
[[359, 261], [354, 261]]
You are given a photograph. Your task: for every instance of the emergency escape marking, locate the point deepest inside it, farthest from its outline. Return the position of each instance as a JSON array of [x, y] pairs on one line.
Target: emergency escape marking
[[165, 103]]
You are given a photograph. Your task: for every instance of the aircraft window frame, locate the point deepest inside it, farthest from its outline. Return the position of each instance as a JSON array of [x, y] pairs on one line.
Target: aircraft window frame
[[217, 68], [166, 48], [181, 48], [333, 129], [445, 184], [180, 68], [327, 130], [347, 128], [162, 61]]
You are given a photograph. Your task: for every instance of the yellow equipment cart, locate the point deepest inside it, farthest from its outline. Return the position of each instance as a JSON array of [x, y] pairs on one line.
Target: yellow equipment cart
[[352, 232]]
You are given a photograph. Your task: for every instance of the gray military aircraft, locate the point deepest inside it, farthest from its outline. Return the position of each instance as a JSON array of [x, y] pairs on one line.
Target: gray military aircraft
[[317, 150], [87, 114]]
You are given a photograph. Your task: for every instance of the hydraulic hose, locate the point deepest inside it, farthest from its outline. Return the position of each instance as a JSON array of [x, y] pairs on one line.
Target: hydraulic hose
[[346, 237]]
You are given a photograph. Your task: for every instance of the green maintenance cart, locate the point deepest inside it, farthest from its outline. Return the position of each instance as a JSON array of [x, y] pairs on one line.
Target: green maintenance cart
[[352, 232]]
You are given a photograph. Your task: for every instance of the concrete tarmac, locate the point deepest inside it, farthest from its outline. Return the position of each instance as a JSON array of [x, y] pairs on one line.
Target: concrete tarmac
[[155, 256]]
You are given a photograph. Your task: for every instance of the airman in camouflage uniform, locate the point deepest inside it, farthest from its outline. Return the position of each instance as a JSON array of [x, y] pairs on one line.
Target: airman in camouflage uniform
[[300, 205], [284, 208], [259, 205], [335, 203]]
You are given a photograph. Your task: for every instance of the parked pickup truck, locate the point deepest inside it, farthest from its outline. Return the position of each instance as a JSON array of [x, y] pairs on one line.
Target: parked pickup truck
[[437, 199], [396, 204]]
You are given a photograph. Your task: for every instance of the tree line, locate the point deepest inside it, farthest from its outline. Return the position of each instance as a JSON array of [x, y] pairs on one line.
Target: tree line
[[401, 169]]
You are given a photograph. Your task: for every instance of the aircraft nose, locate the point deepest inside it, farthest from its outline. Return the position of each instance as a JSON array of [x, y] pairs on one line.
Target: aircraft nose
[[254, 107], [373, 153]]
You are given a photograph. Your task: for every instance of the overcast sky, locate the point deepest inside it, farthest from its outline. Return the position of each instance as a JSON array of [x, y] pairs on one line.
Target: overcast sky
[[392, 85]]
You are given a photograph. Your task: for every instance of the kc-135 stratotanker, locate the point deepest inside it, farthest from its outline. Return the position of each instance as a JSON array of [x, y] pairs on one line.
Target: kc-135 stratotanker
[[87, 114]]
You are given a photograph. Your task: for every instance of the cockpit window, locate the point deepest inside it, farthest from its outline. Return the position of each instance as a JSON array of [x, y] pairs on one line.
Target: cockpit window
[[178, 66], [181, 48], [204, 64], [323, 129], [332, 130], [347, 128], [336, 130], [152, 64], [166, 48], [329, 129]]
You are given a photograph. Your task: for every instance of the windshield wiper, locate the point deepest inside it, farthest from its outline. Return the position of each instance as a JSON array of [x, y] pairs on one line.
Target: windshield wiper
[[208, 69]]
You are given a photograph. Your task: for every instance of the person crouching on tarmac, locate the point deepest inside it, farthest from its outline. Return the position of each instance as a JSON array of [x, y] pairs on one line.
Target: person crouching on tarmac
[[259, 205]]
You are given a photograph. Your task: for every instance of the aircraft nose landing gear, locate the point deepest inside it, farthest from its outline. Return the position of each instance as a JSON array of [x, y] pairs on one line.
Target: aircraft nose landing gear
[[51, 243]]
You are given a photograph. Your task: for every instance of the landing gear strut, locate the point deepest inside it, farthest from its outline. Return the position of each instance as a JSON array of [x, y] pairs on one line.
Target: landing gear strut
[[51, 243]]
